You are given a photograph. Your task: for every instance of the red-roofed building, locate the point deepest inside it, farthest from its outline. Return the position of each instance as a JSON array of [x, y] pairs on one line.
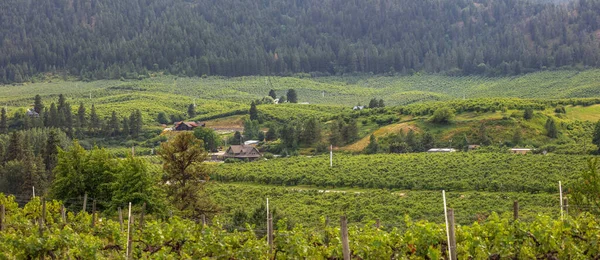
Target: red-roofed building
[[187, 126]]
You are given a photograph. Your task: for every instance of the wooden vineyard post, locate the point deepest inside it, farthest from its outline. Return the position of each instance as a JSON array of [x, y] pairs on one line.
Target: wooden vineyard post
[[43, 217], [203, 217], [93, 214], [129, 223], [142, 216], [130, 237], [345, 242], [516, 209], [63, 214], [377, 224], [452, 234], [84, 201], [270, 232], [121, 219], [2, 217]]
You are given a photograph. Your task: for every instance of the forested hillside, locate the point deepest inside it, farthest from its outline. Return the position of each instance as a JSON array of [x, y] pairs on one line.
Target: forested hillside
[[94, 39]]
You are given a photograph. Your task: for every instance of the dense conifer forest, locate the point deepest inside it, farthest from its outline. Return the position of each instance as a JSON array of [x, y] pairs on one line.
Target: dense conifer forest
[[114, 39]]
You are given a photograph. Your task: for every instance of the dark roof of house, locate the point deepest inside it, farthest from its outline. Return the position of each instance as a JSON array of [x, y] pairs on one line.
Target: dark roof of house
[[243, 151], [190, 124]]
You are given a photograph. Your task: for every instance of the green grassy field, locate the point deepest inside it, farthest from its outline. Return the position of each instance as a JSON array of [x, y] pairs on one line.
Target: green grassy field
[[339, 91]]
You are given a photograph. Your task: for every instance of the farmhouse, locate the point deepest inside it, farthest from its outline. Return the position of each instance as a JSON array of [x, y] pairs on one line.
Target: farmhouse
[[187, 126], [520, 150], [243, 152]]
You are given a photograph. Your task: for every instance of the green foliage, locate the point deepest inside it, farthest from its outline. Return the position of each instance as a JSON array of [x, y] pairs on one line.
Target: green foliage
[[191, 111], [134, 182], [180, 238], [422, 171], [373, 146], [253, 112], [550, 127], [162, 118], [442, 116], [251, 130], [185, 174], [596, 136], [291, 96], [78, 172], [528, 114], [330, 43], [209, 137]]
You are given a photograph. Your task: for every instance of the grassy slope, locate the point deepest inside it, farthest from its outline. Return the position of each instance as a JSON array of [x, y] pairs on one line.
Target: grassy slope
[[346, 91]]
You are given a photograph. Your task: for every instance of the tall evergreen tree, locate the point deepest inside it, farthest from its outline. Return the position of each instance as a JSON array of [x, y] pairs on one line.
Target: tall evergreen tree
[[81, 118], [292, 97], [53, 116], [38, 106], [596, 136], [95, 122], [551, 130], [373, 146], [271, 134], [381, 103], [253, 111], [51, 150], [68, 119], [191, 111], [311, 131], [3, 122], [272, 94], [126, 128], [114, 124], [528, 114], [16, 149]]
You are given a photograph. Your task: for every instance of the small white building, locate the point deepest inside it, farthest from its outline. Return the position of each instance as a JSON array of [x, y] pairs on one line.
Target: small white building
[[441, 150], [251, 142], [358, 107], [520, 150]]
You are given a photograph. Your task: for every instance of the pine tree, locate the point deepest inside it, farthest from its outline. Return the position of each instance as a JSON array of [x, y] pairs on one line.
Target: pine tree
[[517, 137], [373, 103], [114, 124], [381, 104], [162, 118], [271, 134], [135, 122], [191, 111], [61, 102], [81, 119], [292, 97], [528, 114], [95, 123], [16, 149], [3, 122], [272, 94], [46, 117], [53, 116], [51, 150], [350, 132], [126, 128], [483, 137], [335, 137], [596, 136], [311, 131], [373, 146], [237, 138], [427, 141], [38, 107], [253, 111], [68, 119], [551, 130]]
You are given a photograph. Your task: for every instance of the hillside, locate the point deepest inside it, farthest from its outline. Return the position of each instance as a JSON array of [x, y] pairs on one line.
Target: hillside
[[113, 39]]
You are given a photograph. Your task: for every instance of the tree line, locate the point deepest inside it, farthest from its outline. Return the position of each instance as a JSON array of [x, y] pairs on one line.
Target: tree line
[[77, 124], [280, 37]]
